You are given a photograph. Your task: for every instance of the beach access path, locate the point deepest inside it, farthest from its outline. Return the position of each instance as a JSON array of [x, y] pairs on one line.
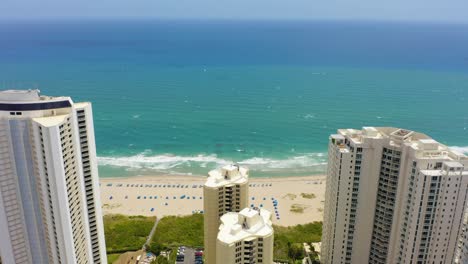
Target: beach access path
[[150, 236]]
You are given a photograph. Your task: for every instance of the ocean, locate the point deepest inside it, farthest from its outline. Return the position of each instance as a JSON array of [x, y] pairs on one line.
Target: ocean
[[184, 97]]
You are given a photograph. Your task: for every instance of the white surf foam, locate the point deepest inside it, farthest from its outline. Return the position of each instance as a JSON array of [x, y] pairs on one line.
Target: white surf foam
[[168, 162], [460, 149], [158, 162]]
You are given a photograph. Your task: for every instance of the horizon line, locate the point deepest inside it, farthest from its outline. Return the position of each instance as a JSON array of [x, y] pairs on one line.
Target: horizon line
[[226, 19]]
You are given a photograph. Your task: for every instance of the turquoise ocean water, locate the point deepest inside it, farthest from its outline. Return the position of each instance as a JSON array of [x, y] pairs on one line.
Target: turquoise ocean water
[[188, 96]]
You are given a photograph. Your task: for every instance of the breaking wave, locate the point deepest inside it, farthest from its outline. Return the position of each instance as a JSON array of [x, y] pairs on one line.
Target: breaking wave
[[460, 149], [309, 162]]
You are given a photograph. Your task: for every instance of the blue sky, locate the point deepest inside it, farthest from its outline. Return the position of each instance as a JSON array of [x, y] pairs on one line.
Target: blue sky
[[395, 10]]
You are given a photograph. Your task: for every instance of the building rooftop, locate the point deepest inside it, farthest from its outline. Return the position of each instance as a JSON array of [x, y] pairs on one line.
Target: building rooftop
[[248, 223], [19, 95], [24, 96], [423, 145], [51, 120], [229, 174]]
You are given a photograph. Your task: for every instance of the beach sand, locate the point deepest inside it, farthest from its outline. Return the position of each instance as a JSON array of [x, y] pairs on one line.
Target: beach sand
[[119, 197]]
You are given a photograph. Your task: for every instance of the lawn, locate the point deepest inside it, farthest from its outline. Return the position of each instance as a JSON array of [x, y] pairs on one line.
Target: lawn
[[126, 233]]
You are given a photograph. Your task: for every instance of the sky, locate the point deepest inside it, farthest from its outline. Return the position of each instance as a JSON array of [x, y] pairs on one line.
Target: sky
[[451, 11]]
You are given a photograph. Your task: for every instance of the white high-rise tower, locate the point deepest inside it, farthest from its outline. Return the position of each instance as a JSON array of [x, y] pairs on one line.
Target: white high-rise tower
[[245, 237], [392, 196], [461, 254], [50, 208], [226, 190]]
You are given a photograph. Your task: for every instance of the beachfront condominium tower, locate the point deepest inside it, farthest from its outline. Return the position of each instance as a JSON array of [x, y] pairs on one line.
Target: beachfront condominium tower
[[392, 196], [225, 190], [461, 254], [245, 237], [49, 191]]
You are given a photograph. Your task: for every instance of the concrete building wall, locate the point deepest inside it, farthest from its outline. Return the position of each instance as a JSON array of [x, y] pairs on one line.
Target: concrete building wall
[[227, 253], [390, 193], [14, 245], [91, 181], [211, 213], [245, 237], [461, 254], [236, 252], [226, 190], [46, 201]]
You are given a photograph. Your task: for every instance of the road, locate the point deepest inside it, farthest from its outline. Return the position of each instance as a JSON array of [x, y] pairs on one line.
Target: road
[[189, 256], [148, 240]]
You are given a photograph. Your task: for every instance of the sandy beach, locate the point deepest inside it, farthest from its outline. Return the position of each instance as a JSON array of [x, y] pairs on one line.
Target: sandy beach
[[300, 200]]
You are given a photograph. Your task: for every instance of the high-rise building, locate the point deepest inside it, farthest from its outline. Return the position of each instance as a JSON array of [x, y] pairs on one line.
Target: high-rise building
[[461, 254], [392, 196], [225, 190], [245, 237], [50, 208]]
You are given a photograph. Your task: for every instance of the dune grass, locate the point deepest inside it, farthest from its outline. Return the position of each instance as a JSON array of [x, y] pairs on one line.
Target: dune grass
[[290, 196], [308, 195], [126, 233], [297, 208], [112, 257], [287, 239], [173, 231]]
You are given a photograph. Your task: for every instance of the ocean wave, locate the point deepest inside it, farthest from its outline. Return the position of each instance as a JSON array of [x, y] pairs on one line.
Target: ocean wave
[[202, 163], [460, 149], [182, 164]]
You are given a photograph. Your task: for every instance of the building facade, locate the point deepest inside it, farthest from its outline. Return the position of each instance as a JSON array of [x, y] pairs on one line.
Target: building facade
[[245, 237], [225, 190], [50, 208], [461, 255], [392, 196]]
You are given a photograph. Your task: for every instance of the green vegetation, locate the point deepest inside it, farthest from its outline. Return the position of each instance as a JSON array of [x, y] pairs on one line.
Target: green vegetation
[[297, 208], [288, 240], [290, 196], [112, 257], [160, 260], [296, 251], [173, 231], [126, 233], [308, 195]]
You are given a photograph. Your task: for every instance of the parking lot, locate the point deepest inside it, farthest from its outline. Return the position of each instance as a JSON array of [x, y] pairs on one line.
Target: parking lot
[[188, 256]]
